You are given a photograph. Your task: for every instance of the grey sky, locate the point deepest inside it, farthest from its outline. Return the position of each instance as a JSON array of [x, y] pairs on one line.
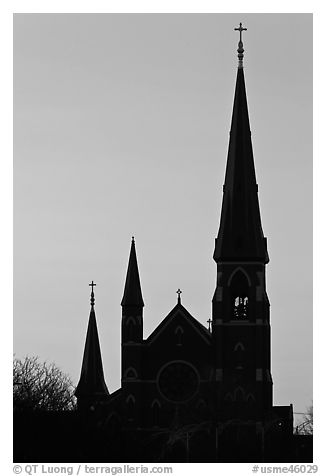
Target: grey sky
[[121, 128]]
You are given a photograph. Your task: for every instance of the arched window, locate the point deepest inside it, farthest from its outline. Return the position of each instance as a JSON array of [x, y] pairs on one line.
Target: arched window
[[130, 407], [239, 355], [179, 334], [239, 294], [240, 309], [112, 423], [239, 347], [130, 373], [251, 399], [156, 410], [130, 328], [239, 394]]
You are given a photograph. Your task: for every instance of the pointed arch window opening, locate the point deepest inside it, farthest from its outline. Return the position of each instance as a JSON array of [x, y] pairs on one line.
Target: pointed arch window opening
[[240, 286], [239, 356], [156, 408], [239, 347], [240, 307], [251, 399], [130, 407], [130, 328], [113, 423], [131, 373], [179, 335], [239, 395]]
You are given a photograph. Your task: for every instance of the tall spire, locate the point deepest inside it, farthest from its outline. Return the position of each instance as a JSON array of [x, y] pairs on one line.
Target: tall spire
[[132, 295], [240, 235], [91, 383]]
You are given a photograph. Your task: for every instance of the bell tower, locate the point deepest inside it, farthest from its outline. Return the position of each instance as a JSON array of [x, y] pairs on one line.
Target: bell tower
[[132, 342], [241, 325]]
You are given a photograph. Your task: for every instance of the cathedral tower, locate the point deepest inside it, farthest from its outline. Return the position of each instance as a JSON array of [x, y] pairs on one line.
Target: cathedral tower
[[131, 340], [241, 327]]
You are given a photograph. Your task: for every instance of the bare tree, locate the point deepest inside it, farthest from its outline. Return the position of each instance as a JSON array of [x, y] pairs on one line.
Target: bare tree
[[306, 426], [41, 386]]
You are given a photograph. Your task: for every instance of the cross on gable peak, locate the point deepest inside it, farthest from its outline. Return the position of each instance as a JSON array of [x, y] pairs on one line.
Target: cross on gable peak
[[179, 292]]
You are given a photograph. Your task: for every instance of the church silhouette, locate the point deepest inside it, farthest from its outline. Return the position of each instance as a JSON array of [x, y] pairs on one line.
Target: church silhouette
[[189, 393]]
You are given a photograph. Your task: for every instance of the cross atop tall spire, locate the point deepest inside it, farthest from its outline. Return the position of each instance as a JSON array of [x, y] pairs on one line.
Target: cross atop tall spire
[[92, 293], [240, 45], [240, 29]]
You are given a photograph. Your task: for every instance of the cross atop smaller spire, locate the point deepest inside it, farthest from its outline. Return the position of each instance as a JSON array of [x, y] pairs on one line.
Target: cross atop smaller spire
[[92, 293], [240, 45], [179, 297]]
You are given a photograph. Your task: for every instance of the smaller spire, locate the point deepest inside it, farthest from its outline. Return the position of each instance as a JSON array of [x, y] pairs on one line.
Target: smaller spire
[[240, 45], [179, 297], [92, 293], [91, 384], [132, 295]]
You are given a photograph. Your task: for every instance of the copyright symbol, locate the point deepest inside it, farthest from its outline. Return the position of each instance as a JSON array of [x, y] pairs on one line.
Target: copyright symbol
[[17, 469]]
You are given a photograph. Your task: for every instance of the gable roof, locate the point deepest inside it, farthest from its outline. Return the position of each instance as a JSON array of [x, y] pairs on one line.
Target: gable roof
[[179, 310]]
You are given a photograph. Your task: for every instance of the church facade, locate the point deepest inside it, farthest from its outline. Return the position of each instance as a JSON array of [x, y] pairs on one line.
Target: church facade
[[191, 393]]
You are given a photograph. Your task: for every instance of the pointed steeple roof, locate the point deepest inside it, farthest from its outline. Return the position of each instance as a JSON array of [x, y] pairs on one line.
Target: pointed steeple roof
[[132, 295], [91, 382], [240, 235]]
